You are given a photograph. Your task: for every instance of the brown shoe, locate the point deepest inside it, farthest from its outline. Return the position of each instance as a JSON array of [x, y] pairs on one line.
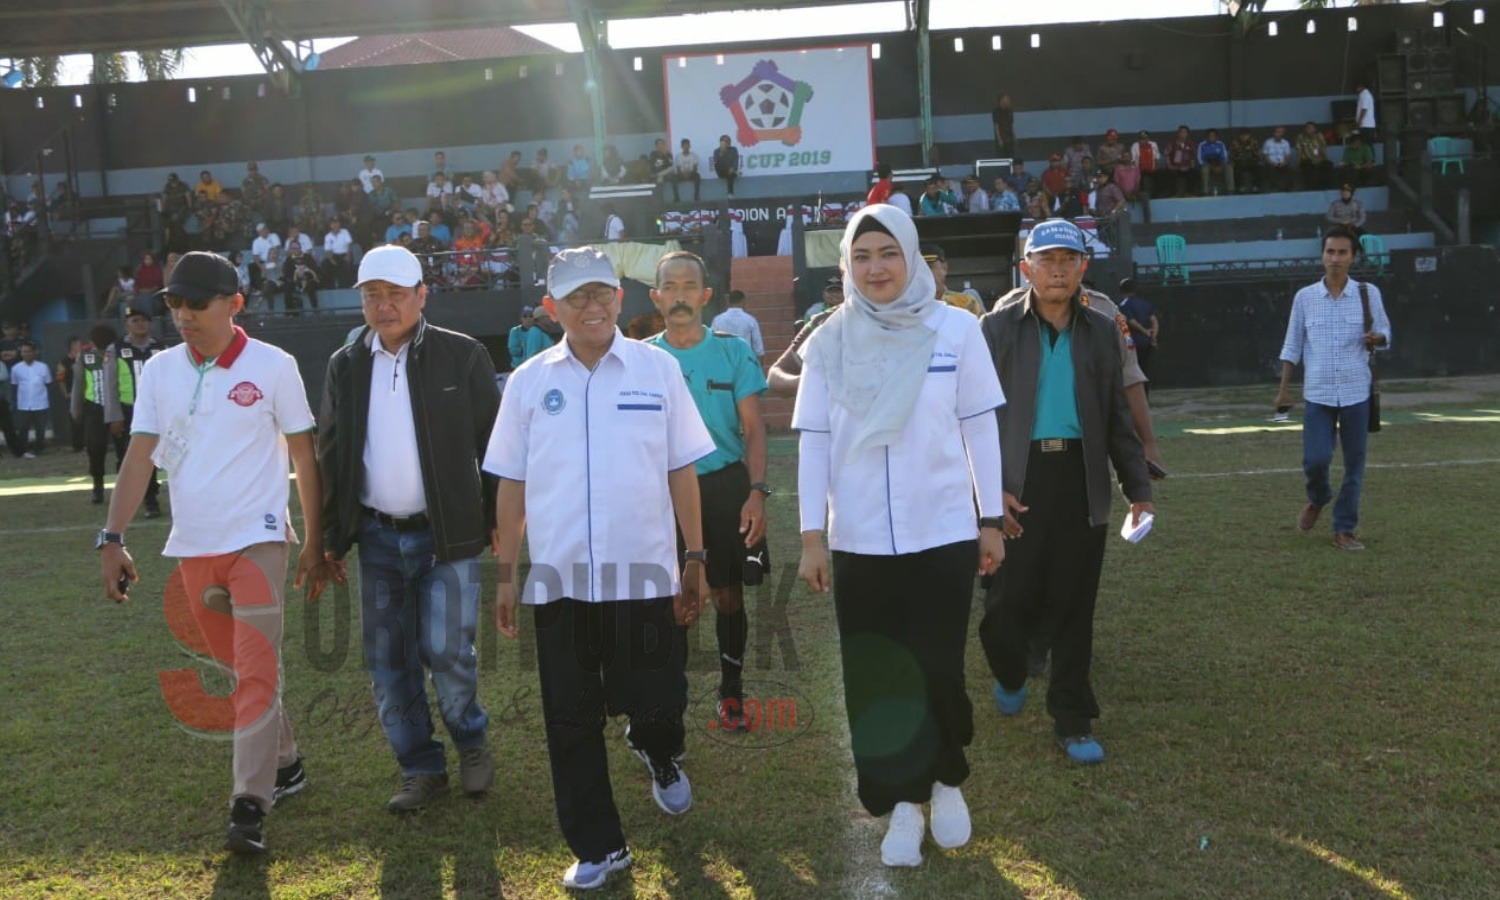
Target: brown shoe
[[1309, 517], [1346, 541], [476, 770], [417, 791]]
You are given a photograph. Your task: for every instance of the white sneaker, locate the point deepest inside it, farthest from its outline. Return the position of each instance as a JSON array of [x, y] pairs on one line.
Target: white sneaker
[[950, 816], [903, 839]]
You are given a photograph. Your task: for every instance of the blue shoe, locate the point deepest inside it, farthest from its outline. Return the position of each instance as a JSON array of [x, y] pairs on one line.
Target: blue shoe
[[1084, 749], [1009, 702], [586, 876]]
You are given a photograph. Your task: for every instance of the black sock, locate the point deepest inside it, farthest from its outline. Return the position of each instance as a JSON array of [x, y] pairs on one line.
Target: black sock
[[731, 629]]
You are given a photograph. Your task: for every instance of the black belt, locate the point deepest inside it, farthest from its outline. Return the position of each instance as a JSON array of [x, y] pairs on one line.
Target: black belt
[[417, 522], [1057, 445]]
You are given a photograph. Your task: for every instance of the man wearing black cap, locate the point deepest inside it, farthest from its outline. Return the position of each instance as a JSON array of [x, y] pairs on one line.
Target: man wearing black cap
[[787, 370], [406, 416], [526, 339], [120, 382], [223, 414], [937, 262]]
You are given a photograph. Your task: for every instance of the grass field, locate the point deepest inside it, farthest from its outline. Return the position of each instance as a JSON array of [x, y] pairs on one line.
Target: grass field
[[1282, 719]]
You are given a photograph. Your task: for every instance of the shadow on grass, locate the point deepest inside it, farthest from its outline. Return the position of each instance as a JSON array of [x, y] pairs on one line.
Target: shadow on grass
[[242, 878]]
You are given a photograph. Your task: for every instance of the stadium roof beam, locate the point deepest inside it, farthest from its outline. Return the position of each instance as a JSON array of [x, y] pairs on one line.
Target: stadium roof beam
[[919, 15], [591, 30], [263, 32]]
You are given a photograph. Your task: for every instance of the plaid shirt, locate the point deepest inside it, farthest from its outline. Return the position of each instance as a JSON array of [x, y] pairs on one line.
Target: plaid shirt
[[1326, 335]]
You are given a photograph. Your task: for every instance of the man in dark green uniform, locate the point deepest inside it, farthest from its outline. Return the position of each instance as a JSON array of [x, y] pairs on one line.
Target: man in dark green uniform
[[723, 375], [130, 354]]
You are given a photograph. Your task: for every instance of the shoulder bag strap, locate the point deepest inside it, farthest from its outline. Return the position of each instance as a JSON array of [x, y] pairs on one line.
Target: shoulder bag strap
[[1364, 300]]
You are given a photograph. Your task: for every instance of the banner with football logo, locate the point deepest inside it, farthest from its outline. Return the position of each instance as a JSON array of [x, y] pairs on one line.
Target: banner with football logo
[[790, 112]]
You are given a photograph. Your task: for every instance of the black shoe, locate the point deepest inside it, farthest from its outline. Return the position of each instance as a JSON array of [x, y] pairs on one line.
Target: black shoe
[[245, 835], [732, 710], [98, 496], [153, 509], [289, 780]]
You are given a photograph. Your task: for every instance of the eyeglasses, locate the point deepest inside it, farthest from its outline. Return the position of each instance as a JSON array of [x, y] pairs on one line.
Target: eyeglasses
[[175, 302], [599, 297]]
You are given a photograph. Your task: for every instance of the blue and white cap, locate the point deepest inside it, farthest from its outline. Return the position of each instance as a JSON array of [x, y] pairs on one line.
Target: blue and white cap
[[1055, 234], [577, 266]]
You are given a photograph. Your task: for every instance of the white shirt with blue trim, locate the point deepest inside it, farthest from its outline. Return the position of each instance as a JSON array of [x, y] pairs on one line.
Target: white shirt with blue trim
[[594, 449]]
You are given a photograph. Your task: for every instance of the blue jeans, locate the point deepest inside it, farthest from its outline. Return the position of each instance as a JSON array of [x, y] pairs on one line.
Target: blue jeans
[[1321, 426], [419, 614]]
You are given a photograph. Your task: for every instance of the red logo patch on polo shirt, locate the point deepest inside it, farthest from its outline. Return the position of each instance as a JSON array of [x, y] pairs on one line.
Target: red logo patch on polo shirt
[[245, 394]]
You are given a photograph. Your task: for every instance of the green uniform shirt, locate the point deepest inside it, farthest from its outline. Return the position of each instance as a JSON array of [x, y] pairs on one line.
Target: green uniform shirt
[[93, 359], [721, 370], [1056, 402]]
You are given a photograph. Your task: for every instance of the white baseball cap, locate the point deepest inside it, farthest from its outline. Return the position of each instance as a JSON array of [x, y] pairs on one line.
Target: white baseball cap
[[392, 263], [575, 267]]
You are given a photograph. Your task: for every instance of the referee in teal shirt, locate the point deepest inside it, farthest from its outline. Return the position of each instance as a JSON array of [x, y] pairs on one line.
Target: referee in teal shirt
[[1066, 423], [724, 376]]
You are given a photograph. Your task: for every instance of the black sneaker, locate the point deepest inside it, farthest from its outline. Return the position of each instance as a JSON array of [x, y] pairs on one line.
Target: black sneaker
[[98, 496], [289, 780], [153, 509], [245, 835], [732, 710]]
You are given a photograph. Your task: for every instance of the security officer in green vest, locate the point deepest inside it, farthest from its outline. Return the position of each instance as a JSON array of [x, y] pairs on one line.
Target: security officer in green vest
[[120, 380], [87, 407]]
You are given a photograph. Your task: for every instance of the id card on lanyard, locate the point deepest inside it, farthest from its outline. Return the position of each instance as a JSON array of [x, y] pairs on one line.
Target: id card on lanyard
[[173, 445]]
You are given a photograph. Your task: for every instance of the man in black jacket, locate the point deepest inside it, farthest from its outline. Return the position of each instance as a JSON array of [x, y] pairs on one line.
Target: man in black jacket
[[407, 413], [1067, 420]]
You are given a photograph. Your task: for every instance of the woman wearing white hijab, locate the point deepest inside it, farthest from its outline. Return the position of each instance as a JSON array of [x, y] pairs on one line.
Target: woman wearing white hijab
[[896, 410]]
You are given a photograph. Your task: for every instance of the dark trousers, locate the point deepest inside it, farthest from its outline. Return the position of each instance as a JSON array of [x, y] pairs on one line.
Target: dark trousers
[[597, 660], [903, 624], [1143, 356], [153, 487], [1276, 178], [96, 440], [13, 441], [31, 428], [677, 178], [1315, 175], [1247, 177], [1047, 587], [729, 178]]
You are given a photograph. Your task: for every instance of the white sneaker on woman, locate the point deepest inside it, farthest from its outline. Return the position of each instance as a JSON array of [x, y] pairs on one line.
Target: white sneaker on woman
[[903, 838], [950, 816]]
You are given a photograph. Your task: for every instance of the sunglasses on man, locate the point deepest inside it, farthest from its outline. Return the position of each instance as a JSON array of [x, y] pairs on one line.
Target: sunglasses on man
[[175, 302]]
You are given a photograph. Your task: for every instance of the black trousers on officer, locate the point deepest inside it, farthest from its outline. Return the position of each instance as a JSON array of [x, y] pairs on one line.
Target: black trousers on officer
[[153, 487], [1047, 587], [597, 660], [903, 625], [96, 440]]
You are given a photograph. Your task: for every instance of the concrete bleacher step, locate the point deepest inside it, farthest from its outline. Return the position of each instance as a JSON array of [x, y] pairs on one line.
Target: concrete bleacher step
[[1289, 248], [1247, 206], [1265, 228]]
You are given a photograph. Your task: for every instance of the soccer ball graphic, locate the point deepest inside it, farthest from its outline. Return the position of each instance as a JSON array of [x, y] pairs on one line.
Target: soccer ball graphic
[[767, 106]]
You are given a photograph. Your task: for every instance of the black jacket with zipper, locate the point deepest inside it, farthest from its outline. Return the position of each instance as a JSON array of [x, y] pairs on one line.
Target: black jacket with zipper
[[454, 401], [1013, 332]]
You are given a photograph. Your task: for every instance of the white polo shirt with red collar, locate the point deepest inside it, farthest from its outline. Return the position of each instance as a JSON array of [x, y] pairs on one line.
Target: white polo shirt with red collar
[[594, 449], [230, 487]]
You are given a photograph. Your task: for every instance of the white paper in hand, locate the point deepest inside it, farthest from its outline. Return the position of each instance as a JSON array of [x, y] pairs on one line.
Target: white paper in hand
[[1134, 534]]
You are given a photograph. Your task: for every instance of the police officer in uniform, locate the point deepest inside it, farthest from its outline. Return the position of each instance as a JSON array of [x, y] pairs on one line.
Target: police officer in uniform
[[120, 380], [87, 407]]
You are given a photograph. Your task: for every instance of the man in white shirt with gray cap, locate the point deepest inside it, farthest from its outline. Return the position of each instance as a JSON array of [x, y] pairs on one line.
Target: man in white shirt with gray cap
[[603, 550]]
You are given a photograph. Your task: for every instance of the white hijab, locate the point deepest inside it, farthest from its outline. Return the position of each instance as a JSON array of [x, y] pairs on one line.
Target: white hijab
[[875, 355]]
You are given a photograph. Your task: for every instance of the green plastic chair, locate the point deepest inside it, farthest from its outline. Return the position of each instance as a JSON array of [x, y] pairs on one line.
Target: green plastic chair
[[1171, 255], [1444, 152], [1374, 250]]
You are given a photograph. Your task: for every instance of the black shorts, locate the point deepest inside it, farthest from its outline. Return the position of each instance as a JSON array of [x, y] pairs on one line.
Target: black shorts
[[722, 494]]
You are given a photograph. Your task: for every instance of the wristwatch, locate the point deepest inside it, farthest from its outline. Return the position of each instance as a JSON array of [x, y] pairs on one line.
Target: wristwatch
[[108, 537], [697, 556], [995, 522], [762, 487]]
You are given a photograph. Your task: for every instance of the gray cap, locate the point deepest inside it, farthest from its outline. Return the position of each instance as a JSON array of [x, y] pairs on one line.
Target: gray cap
[[577, 266]]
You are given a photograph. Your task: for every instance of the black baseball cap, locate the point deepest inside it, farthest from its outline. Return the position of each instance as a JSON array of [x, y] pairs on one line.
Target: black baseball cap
[[933, 253], [834, 282], [200, 276], [132, 311]]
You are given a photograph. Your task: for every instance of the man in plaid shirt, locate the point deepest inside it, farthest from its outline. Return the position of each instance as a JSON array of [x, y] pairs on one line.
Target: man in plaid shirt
[[1328, 337]]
